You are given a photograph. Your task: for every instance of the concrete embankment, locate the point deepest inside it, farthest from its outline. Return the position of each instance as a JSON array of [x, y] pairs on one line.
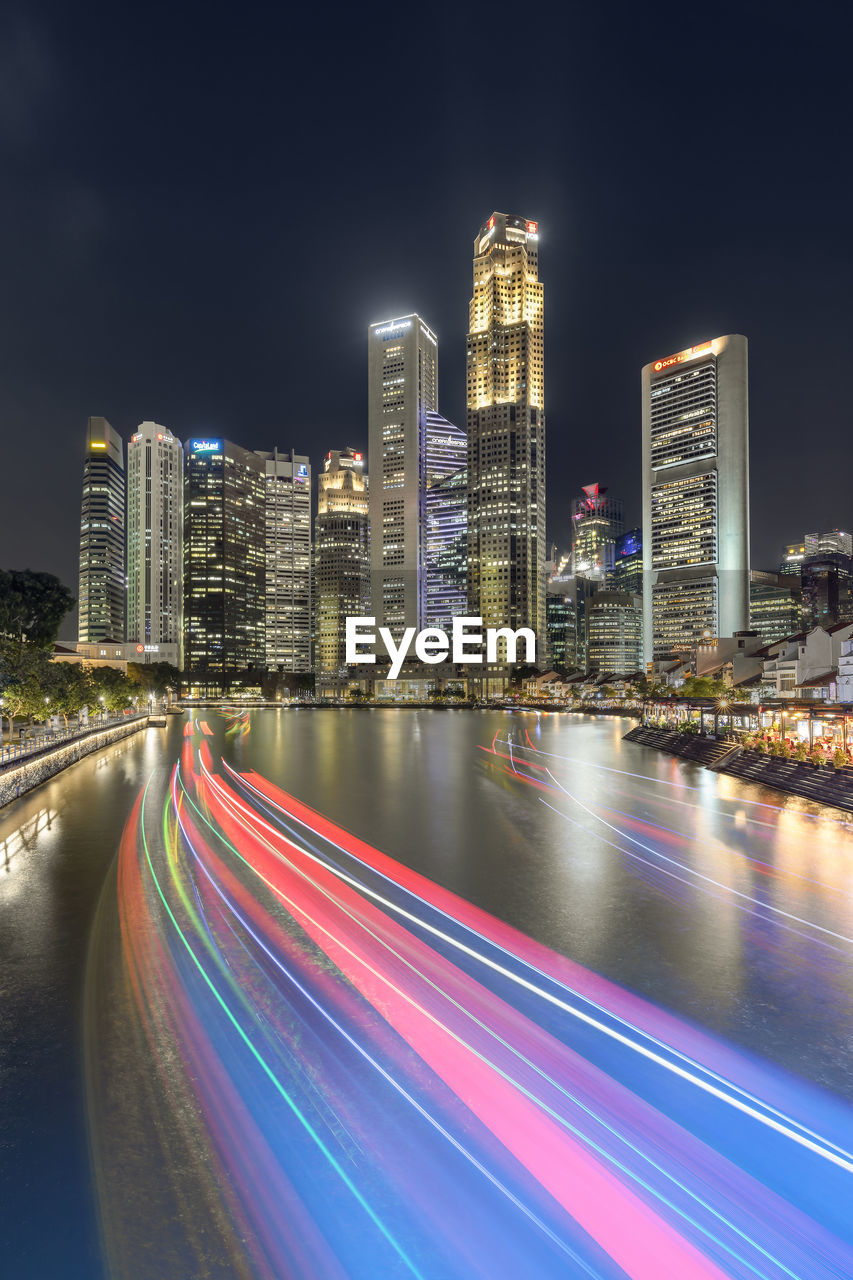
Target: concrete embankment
[[800, 778], [19, 777]]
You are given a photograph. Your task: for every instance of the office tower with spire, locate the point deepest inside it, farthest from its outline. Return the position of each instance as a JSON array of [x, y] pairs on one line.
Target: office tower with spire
[[155, 516], [695, 497], [341, 562], [507, 547], [411, 448], [102, 590], [597, 524]]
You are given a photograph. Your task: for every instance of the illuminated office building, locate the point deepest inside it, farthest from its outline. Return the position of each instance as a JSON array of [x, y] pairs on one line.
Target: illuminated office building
[[445, 567], [627, 573], [341, 560], [412, 447], [775, 605], [614, 633], [224, 566], [155, 514], [507, 547], [288, 587], [793, 555], [695, 496], [102, 589], [596, 524], [834, 541], [827, 587]]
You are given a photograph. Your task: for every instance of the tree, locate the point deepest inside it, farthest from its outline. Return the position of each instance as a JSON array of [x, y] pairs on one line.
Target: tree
[[704, 687], [32, 606], [23, 691], [155, 678], [69, 687], [112, 688]]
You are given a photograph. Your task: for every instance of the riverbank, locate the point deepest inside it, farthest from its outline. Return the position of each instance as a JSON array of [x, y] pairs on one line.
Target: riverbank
[[18, 778], [820, 783]]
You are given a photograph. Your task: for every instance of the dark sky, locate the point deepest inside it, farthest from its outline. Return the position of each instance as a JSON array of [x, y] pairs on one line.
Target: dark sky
[[203, 207]]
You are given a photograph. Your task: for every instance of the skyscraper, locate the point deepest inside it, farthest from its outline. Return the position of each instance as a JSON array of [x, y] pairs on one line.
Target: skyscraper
[[507, 549], [446, 556], [695, 496], [288, 561], [341, 560], [411, 447], [102, 547], [596, 525], [224, 565], [155, 514]]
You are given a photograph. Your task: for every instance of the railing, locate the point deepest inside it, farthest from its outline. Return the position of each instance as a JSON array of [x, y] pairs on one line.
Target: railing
[[44, 741]]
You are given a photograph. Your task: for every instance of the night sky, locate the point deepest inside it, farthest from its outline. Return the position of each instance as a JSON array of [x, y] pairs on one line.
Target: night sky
[[203, 208]]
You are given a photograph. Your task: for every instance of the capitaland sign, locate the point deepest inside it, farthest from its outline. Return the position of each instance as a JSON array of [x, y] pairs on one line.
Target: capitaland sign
[[205, 446], [681, 356], [465, 643]]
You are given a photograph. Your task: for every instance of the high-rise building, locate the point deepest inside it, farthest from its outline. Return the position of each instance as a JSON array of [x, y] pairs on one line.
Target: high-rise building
[[775, 605], [411, 448], [627, 572], [596, 525], [444, 553], [287, 480], [224, 566], [614, 627], [793, 555], [834, 540], [341, 562], [102, 591], [155, 516], [507, 546], [695, 496], [827, 587]]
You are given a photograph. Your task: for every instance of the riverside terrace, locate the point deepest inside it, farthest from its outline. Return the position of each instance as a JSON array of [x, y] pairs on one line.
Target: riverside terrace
[[821, 726]]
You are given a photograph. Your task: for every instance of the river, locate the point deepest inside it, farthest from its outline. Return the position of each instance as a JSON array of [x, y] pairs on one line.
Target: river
[[435, 993]]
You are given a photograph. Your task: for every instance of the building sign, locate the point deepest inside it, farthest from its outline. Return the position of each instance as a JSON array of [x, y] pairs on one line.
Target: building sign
[[302, 472], [206, 446], [533, 228], [396, 326], [681, 356]]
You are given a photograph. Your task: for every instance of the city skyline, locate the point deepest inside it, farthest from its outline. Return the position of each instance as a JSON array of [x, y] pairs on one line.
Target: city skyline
[[146, 287]]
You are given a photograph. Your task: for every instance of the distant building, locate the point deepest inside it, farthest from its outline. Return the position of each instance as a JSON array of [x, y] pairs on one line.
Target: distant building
[[507, 546], [446, 549], [827, 585], [834, 541], [102, 589], [402, 390], [155, 520], [627, 574], [775, 605], [341, 562], [288, 587], [695, 496], [597, 524], [224, 566], [614, 627], [562, 628], [793, 555]]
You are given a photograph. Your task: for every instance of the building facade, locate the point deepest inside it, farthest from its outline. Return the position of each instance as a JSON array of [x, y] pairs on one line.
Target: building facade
[[402, 388], [155, 518], [775, 605], [614, 634], [443, 587], [102, 583], [597, 524], [507, 547], [341, 560], [627, 574], [288, 585], [695, 496], [224, 566]]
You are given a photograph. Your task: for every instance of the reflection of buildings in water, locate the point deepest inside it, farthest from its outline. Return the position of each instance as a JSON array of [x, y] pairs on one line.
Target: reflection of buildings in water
[[23, 838]]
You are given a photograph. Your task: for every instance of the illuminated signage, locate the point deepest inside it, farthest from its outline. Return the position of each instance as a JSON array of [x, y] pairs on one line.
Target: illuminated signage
[[206, 446], [396, 326], [302, 472], [140, 648], [98, 444], [682, 356], [359, 457], [491, 222], [533, 228]]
